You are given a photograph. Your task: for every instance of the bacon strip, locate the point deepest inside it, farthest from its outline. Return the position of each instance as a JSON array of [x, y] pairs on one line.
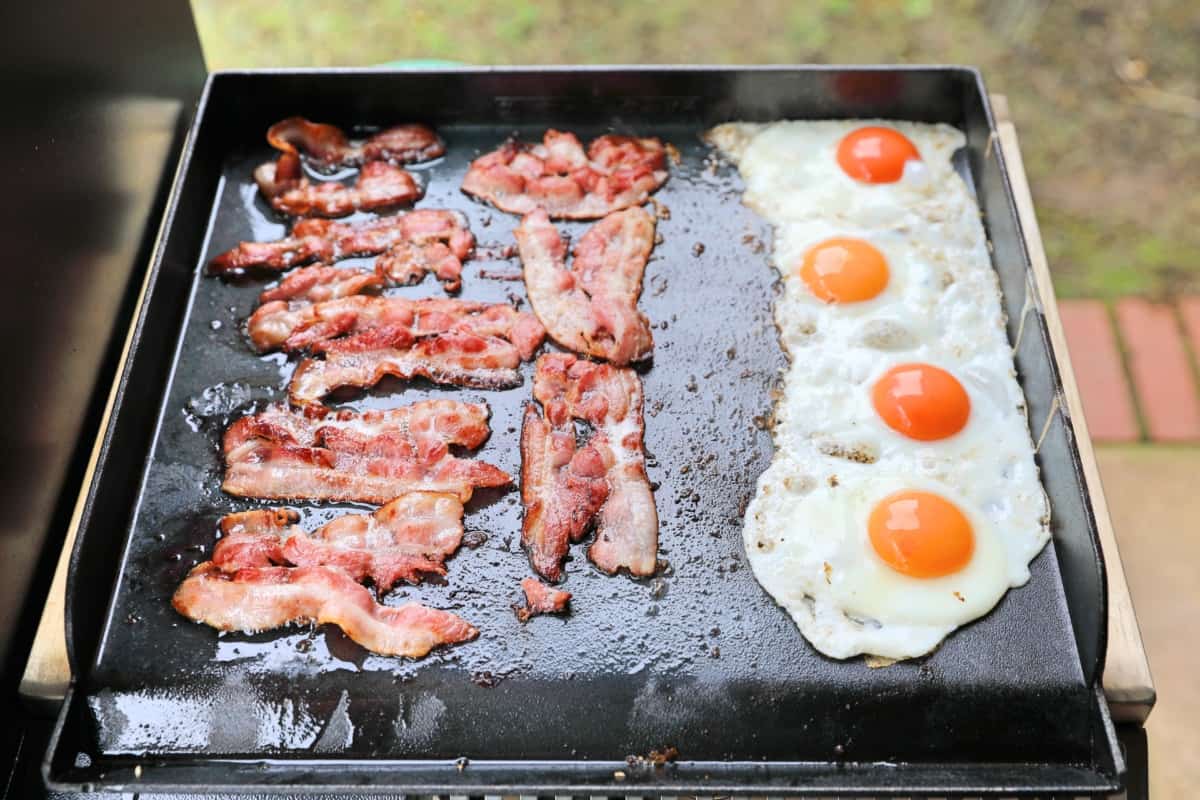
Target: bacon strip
[[408, 262], [592, 307], [319, 283], [379, 186], [404, 540], [616, 172], [554, 477], [541, 599], [453, 358], [562, 488], [295, 326], [328, 241], [262, 598], [326, 146], [371, 457]]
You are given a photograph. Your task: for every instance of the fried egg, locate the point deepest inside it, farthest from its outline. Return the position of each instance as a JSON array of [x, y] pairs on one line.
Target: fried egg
[[793, 170], [816, 549], [903, 499]]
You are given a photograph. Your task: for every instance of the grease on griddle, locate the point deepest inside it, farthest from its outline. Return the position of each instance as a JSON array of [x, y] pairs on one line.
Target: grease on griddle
[[485, 679], [756, 244], [474, 539], [500, 275]]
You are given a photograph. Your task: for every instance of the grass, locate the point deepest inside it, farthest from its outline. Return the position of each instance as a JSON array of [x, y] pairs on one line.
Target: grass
[[1104, 91]]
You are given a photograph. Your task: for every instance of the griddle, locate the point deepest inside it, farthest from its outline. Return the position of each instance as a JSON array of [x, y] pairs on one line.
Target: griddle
[[699, 658]]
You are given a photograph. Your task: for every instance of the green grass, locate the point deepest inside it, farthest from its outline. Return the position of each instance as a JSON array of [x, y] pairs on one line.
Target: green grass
[[1113, 260], [1114, 174]]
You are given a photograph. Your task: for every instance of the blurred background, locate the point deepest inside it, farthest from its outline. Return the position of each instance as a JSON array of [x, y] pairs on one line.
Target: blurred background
[[1105, 95], [1104, 92]]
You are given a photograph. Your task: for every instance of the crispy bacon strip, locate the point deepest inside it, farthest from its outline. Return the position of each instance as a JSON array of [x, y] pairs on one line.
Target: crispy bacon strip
[[562, 488], [326, 146], [407, 263], [610, 400], [371, 457], [319, 283], [591, 308], [295, 326], [616, 172], [541, 599], [379, 186], [453, 358], [262, 598], [328, 241], [404, 540]]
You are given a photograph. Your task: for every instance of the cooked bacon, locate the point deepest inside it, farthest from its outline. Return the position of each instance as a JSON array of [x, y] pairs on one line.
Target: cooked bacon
[[541, 599], [319, 283], [453, 358], [592, 307], [616, 172], [371, 457], [450, 421], [327, 240], [251, 538], [262, 598], [610, 400], [327, 146], [379, 186], [562, 488], [295, 326], [407, 263], [404, 540]]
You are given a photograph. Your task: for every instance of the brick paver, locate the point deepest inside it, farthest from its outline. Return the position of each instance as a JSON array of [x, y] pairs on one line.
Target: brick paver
[[1162, 371], [1189, 312], [1098, 371]]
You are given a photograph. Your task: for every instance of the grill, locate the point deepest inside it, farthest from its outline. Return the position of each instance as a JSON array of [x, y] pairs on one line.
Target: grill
[[1012, 703]]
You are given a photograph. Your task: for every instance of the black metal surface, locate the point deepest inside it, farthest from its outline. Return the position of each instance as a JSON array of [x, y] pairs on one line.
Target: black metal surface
[[26, 782], [700, 658]]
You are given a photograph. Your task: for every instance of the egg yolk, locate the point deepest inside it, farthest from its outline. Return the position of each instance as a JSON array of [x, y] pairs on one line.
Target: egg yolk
[[921, 534], [921, 401], [844, 270], [876, 155]]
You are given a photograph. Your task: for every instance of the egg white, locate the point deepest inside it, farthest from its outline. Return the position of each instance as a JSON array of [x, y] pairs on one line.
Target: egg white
[[791, 173], [941, 306], [806, 540]]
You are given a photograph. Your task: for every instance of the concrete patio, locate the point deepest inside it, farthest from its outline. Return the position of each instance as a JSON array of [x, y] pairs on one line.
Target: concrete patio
[[1153, 497]]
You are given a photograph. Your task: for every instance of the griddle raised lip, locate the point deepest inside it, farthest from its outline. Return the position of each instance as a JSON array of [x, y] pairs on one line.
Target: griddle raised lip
[[1104, 774], [317, 776]]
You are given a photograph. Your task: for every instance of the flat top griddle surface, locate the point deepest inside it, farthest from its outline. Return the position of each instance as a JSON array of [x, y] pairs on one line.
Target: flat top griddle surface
[[698, 657]]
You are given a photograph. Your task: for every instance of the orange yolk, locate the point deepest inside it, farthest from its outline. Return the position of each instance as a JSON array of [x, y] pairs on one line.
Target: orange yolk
[[921, 401], [921, 534], [844, 270], [876, 155]]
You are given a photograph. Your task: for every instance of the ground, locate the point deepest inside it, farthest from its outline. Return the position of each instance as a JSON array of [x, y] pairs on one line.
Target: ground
[[1106, 93], [1152, 495]]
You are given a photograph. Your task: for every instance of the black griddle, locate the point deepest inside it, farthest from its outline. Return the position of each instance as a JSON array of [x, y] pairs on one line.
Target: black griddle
[[698, 658]]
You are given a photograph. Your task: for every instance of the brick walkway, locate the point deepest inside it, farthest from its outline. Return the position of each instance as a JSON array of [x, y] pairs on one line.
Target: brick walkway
[[1136, 365]]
